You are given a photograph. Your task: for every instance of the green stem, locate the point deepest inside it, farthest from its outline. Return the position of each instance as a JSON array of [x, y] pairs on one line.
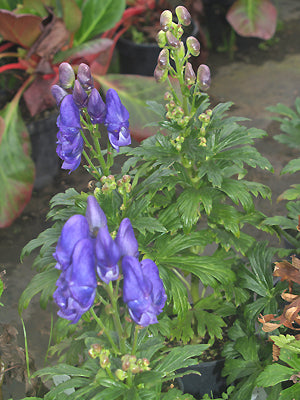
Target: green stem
[[102, 327], [26, 349], [289, 238], [116, 317], [195, 289], [100, 157], [91, 165], [135, 338]]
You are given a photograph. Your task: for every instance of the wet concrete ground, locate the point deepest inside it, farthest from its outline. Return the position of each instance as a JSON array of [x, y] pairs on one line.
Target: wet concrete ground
[[252, 84]]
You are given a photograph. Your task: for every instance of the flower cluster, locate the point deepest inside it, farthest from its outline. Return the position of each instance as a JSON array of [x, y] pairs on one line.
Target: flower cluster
[[86, 249], [77, 98]]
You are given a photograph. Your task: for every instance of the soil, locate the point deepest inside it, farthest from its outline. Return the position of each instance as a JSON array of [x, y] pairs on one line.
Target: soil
[[254, 78]]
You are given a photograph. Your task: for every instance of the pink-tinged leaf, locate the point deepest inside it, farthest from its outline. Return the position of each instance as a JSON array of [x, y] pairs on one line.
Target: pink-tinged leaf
[[38, 96], [255, 18], [22, 29], [17, 167], [134, 91], [87, 52]]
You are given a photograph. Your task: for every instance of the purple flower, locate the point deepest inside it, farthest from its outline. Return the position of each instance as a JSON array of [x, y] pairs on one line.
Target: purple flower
[[126, 240], [85, 77], [107, 256], [116, 120], [76, 286], [58, 93], [96, 107], [80, 96], [69, 140], [143, 290]]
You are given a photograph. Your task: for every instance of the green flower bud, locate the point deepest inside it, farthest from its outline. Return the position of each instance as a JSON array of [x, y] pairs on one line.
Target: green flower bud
[[66, 75], [181, 50], [126, 178], [163, 58], [193, 46], [161, 39], [165, 20], [184, 17], [202, 142], [189, 74], [168, 96], [95, 351], [160, 75], [209, 112], [121, 375], [203, 77], [172, 40]]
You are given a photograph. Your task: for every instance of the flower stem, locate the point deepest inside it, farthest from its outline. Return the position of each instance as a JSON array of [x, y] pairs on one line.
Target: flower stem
[[102, 327], [100, 157], [114, 302], [135, 338]]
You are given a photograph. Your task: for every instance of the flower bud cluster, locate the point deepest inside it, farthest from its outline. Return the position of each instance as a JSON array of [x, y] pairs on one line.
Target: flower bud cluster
[[124, 185], [204, 118], [177, 142], [96, 351], [109, 184], [175, 113], [168, 38]]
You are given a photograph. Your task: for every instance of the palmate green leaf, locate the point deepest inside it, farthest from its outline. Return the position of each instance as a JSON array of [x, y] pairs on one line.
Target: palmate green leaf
[[238, 192], [239, 368], [291, 194], [58, 392], [64, 369], [283, 222], [292, 167], [114, 390], [17, 167], [169, 246], [209, 323], [43, 281], [244, 155], [134, 91], [213, 171], [176, 291], [227, 216], [284, 110], [147, 224], [228, 240], [175, 394], [274, 374], [209, 269], [292, 392], [188, 206], [180, 357], [288, 342], [248, 348], [260, 258], [98, 16]]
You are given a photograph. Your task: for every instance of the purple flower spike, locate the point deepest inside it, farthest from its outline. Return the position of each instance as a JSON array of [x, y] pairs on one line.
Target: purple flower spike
[[126, 240], [116, 120], [76, 287], [79, 95], [96, 107], [58, 93], [75, 229], [143, 290], [95, 215], [69, 140], [107, 256], [85, 77]]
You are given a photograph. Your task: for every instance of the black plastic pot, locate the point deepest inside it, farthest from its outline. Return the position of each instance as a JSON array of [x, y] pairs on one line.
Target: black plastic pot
[[43, 142], [209, 382]]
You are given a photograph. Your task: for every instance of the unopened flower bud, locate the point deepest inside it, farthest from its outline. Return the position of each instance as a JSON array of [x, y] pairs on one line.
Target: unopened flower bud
[[189, 74], [160, 75], [58, 93], [163, 58], [184, 17], [203, 77], [181, 50], [104, 361], [121, 375], [79, 95], [165, 20], [126, 178], [95, 351], [66, 75], [193, 46], [202, 142], [161, 39], [85, 77], [168, 96], [172, 41], [209, 112]]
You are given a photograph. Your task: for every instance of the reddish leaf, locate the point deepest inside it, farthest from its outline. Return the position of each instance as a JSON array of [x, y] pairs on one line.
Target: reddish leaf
[[256, 18], [38, 96], [17, 175], [287, 272], [22, 29]]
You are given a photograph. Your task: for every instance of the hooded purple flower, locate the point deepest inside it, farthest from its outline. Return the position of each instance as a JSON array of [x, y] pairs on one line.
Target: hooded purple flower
[[76, 286], [126, 240], [143, 290], [69, 140], [96, 107], [107, 256], [116, 120]]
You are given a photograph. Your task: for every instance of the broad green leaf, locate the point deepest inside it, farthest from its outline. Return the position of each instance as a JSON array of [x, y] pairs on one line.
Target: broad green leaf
[[64, 369], [292, 167], [134, 91], [292, 392], [274, 374], [288, 342], [42, 281], [17, 167], [180, 357], [97, 17], [248, 348], [254, 18], [72, 15]]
